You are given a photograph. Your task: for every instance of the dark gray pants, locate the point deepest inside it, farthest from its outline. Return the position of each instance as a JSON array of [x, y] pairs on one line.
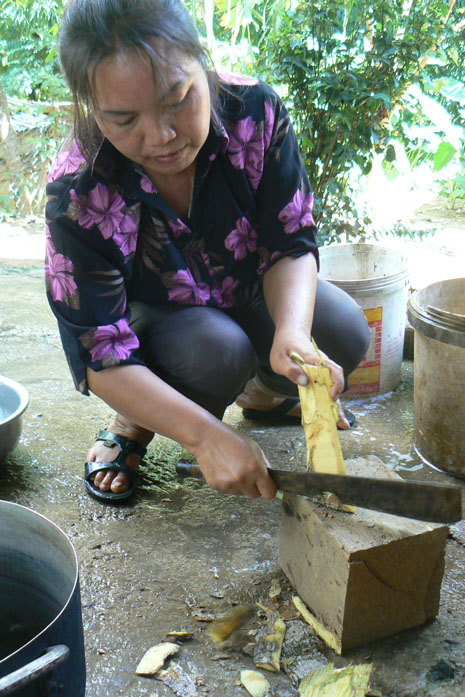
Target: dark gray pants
[[209, 354]]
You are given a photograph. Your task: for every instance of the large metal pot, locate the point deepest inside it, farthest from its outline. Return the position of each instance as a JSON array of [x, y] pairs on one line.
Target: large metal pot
[[41, 636], [14, 399]]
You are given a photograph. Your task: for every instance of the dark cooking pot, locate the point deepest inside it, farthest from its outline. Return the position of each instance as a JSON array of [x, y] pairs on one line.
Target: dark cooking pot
[[41, 637]]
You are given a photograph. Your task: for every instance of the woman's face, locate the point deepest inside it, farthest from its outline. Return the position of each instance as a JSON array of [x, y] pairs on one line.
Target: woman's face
[[161, 129]]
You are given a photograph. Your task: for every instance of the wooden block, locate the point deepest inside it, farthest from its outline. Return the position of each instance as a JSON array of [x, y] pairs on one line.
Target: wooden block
[[364, 575]]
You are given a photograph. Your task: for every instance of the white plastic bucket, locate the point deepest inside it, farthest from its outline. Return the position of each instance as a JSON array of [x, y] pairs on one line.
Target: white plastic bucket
[[376, 277], [437, 313]]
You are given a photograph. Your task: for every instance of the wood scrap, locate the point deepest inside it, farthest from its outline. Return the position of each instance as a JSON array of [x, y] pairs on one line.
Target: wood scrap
[[318, 627], [255, 683], [181, 635], [155, 657], [351, 681]]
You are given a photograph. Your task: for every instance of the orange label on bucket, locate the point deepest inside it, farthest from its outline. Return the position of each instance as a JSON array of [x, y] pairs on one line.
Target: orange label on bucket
[[374, 314], [365, 379]]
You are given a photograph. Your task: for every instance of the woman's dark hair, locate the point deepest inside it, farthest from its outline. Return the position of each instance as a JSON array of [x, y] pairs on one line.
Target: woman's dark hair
[[92, 30]]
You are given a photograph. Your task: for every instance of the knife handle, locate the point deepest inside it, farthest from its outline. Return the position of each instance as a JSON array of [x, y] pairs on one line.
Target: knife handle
[[188, 469]]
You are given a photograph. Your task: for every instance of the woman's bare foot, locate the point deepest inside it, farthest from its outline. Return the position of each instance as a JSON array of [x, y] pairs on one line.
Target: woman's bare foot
[[101, 452], [110, 481]]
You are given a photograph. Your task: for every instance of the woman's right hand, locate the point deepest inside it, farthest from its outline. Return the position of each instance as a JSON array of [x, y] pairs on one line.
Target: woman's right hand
[[233, 463]]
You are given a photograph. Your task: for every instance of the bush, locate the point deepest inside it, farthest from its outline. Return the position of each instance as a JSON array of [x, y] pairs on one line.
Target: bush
[[344, 68]]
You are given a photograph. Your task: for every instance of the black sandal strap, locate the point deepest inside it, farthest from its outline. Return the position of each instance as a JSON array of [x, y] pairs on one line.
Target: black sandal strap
[[126, 445]]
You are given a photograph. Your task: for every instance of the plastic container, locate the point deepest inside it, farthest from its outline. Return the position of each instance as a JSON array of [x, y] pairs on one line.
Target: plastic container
[[437, 314], [376, 277]]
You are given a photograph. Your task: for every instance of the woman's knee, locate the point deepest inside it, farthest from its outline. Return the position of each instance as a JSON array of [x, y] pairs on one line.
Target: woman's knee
[[202, 352]]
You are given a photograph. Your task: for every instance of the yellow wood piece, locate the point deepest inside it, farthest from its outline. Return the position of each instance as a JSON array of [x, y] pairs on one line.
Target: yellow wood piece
[[255, 683], [319, 420], [318, 627], [351, 681]]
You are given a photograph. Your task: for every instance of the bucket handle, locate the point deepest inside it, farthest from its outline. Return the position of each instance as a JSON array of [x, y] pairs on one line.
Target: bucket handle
[[52, 658]]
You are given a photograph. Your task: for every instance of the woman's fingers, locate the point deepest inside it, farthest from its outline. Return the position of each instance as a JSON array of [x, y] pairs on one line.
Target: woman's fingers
[[233, 463], [342, 423]]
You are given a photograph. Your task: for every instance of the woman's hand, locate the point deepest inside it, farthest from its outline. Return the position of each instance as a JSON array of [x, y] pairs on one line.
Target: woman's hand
[[233, 463], [286, 341]]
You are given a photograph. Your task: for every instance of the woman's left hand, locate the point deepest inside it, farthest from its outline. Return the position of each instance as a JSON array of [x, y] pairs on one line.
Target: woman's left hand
[[287, 341]]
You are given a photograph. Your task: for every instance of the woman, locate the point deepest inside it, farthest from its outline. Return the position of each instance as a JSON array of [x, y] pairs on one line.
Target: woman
[[181, 253]]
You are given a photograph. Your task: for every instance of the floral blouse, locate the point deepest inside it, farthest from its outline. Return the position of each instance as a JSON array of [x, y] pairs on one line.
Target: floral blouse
[[112, 239]]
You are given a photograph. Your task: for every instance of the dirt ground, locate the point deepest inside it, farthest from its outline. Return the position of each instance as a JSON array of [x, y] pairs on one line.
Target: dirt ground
[[181, 553]]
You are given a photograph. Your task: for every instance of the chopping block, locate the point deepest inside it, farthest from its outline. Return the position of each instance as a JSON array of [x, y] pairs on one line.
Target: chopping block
[[364, 575]]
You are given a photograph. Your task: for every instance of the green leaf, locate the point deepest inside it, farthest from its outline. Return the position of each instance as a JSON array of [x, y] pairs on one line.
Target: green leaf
[[453, 89], [443, 155]]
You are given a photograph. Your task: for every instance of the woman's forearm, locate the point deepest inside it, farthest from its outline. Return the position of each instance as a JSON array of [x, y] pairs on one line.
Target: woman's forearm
[[289, 288], [230, 461], [144, 399]]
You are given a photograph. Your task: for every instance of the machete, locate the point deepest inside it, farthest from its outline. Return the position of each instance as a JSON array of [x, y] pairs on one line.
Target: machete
[[435, 503]]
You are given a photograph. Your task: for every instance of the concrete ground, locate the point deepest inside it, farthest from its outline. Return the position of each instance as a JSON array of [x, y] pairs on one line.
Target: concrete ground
[[181, 553]]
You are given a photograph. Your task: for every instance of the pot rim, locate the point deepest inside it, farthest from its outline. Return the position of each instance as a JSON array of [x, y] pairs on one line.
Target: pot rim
[[75, 581], [23, 398]]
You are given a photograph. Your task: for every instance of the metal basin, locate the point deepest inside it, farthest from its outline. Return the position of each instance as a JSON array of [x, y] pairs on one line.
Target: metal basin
[[14, 399]]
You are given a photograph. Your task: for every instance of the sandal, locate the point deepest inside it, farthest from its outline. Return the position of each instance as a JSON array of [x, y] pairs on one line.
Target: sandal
[[126, 447], [281, 413]]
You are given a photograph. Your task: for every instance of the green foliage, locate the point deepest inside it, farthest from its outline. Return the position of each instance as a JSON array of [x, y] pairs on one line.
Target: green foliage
[[346, 68], [28, 63], [358, 79]]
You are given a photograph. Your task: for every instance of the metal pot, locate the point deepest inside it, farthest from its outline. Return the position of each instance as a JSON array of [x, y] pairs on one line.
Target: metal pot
[[14, 399], [41, 636]]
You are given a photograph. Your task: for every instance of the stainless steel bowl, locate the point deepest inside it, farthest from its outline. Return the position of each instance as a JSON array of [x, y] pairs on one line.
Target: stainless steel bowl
[[14, 399]]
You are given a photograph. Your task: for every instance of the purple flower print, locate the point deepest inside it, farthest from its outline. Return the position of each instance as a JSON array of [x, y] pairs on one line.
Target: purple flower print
[[225, 296], [242, 240], [111, 343], [66, 161], [100, 210], [268, 126], [243, 137], [147, 185], [245, 149], [297, 213], [238, 79], [179, 228], [186, 291], [126, 236], [58, 273]]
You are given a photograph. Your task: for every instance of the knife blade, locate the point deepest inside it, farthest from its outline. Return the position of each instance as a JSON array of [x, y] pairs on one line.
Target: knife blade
[[432, 502]]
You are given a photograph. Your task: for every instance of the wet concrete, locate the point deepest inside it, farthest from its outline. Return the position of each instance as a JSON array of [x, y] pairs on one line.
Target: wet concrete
[[182, 553]]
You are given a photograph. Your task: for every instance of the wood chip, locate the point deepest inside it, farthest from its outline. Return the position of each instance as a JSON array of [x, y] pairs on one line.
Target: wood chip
[[327, 636], [255, 684], [351, 681], [155, 657], [181, 636]]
